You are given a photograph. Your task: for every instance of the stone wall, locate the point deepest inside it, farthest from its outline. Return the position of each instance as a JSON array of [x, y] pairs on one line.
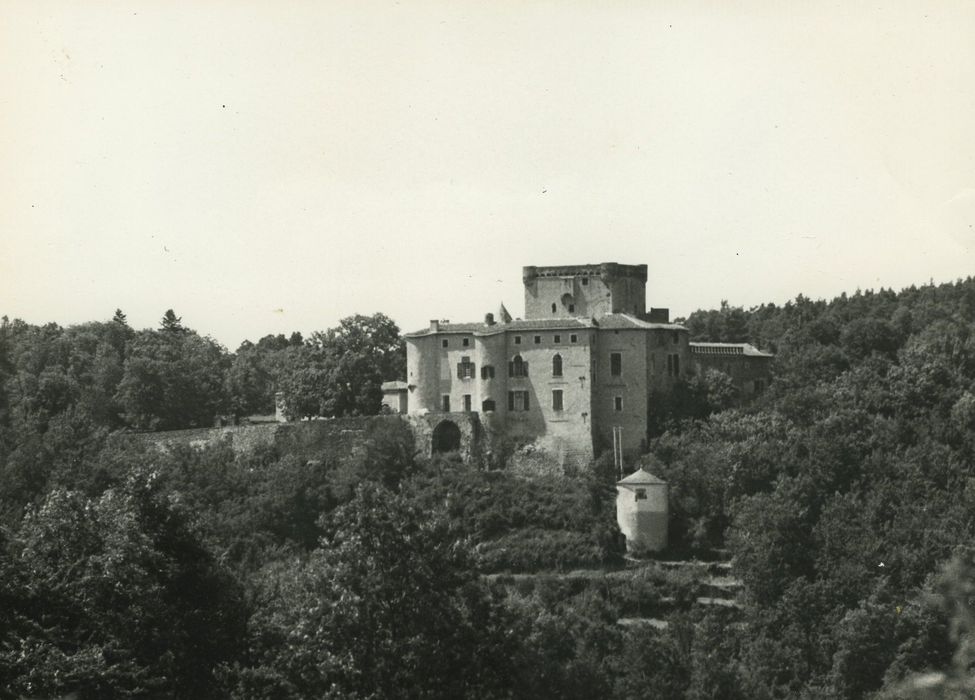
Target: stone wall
[[310, 439]]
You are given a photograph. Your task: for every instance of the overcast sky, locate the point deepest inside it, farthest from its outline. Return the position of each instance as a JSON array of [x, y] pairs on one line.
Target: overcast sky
[[263, 167]]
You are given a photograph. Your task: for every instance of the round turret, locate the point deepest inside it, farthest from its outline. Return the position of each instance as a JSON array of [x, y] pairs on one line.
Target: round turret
[[643, 511]]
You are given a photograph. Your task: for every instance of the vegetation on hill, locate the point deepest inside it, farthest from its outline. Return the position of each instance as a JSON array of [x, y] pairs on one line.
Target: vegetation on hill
[[844, 494]]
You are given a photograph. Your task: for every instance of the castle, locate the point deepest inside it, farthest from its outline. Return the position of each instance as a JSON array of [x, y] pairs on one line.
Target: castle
[[581, 366]]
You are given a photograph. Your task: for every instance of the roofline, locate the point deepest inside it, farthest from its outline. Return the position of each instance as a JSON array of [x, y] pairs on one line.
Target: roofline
[[503, 328]]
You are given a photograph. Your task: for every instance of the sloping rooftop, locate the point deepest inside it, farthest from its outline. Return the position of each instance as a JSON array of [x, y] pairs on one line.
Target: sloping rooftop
[[607, 322], [395, 385], [518, 325], [622, 321], [744, 349], [641, 476]]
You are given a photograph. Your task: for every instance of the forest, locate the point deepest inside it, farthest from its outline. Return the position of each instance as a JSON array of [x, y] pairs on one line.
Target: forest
[[844, 497]]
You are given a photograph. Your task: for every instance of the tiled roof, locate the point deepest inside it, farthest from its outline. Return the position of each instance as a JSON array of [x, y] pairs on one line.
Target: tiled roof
[[395, 385], [641, 476], [621, 321], [518, 325], [740, 349]]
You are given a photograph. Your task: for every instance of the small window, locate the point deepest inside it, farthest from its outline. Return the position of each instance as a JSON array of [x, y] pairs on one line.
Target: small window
[[573, 338], [641, 494], [467, 403], [572, 308], [466, 342], [557, 400], [585, 281], [676, 365], [517, 340], [553, 307], [676, 337], [618, 403], [616, 364], [443, 343], [557, 366], [445, 403], [487, 371], [488, 405], [538, 339], [557, 339]]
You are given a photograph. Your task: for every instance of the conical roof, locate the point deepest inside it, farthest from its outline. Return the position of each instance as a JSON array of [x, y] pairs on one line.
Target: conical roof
[[503, 315], [641, 476]]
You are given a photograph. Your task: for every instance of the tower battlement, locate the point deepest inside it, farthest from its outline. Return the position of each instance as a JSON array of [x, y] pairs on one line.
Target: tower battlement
[[568, 291]]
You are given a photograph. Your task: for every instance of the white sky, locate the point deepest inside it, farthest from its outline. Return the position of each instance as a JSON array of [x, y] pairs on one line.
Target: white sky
[[263, 167]]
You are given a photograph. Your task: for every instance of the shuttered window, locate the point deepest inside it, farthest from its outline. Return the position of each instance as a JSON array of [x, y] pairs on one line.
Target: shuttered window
[[557, 366]]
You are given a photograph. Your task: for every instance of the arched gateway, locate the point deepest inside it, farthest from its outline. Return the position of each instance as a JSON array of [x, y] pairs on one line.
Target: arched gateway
[[446, 437]]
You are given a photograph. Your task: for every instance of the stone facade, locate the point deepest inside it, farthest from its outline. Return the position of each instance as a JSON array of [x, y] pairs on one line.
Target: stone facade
[[586, 359], [750, 369]]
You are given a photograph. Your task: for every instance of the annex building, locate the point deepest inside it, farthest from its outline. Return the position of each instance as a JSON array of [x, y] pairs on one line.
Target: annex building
[[585, 360]]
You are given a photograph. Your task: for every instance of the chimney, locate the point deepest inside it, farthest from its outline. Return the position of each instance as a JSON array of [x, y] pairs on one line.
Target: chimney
[[488, 319], [434, 325], [659, 315]]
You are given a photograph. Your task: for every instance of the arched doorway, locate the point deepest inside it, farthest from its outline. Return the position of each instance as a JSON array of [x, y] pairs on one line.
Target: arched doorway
[[446, 437]]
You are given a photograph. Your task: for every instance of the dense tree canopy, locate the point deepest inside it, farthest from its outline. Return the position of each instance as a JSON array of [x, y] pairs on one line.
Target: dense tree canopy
[[844, 496]]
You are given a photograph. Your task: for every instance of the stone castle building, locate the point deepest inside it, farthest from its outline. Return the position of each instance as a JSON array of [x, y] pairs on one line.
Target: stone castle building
[[583, 363]]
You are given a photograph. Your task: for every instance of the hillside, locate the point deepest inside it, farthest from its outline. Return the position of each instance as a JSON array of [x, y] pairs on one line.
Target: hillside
[[843, 497]]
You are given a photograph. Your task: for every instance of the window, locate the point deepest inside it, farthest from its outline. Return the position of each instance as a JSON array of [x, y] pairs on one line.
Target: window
[[572, 307], [676, 337], [465, 368], [445, 403], [618, 403], [517, 340], [759, 386], [517, 400], [443, 343], [487, 371], [557, 339], [585, 281], [538, 339], [573, 338], [518, 367], [557, 366], [487, 405], [641, 495], [466, 342], [673, 365], [467, 403], [553, 307], [556, 399], [616, 364]]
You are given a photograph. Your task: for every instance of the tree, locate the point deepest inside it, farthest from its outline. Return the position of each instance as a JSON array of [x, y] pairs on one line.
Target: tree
[[340, 372], [171, 322], [113, 596], [389, 606], [172, 380]]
